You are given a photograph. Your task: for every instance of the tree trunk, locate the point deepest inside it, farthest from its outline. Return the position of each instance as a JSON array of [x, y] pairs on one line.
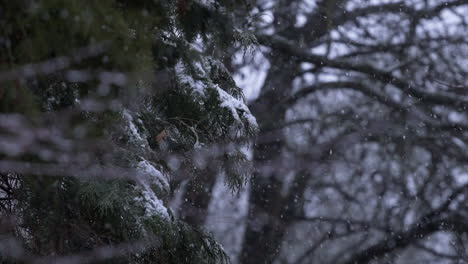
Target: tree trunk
[[265, 226], [196, 199]]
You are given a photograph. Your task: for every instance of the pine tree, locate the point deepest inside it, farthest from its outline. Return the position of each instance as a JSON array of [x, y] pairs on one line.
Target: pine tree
[[102, 103]]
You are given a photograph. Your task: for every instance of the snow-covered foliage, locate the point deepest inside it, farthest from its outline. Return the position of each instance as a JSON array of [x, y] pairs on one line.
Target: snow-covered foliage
[[214, 89], [135, 136], [152, 177]]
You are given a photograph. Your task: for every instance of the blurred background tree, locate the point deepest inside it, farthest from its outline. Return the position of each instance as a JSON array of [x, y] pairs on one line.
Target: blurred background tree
[[361, 154], [360, 157]]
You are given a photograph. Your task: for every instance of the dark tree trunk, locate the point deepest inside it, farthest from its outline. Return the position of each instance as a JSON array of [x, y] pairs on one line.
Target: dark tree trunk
[[266, 225], [196, 199], [265, 228]]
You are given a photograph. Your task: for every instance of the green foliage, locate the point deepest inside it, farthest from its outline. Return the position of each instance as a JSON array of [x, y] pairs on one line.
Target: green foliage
[[181, 243], [16, 98], [198, 106]]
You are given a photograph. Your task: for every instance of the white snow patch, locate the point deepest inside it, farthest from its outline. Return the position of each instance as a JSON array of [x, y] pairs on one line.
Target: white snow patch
[[150, 175], [227, 100], [185, 78], [133, 131], [153, 175], [199, 67], [207, 2], [153, 206], [233, 104]]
